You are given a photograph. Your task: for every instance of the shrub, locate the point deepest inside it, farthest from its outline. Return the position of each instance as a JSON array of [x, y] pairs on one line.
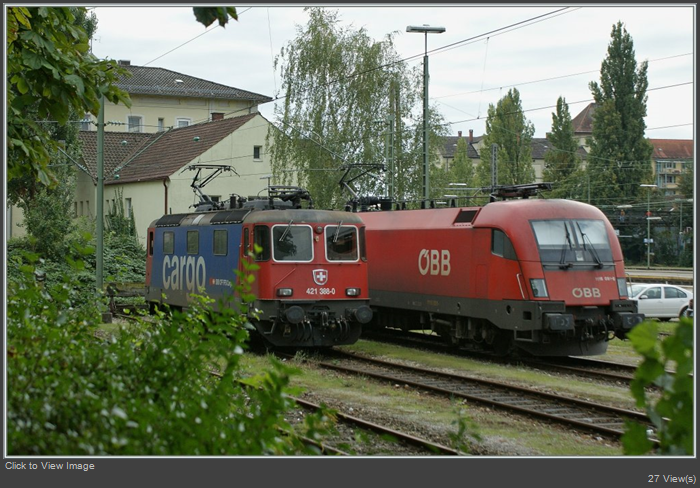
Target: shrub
[[147, 390], [672, 413]]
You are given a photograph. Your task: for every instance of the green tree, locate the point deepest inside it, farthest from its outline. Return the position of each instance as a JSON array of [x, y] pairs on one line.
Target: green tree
[[687, 180], [507, 127], [462, 170], [562, 163], [337, 83], [51, 74], [620, 156]]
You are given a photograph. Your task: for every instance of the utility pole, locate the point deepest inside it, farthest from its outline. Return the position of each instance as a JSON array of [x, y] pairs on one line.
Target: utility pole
[[425, 30], [100, 195], [494, 168]]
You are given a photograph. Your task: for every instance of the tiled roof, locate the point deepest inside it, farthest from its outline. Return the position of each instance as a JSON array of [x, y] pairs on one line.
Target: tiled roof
[[148, 157], [583, 122], [672, 148], [146, 80], [450, 147]]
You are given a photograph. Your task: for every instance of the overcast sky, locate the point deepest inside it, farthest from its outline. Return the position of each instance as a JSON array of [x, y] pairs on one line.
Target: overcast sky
[[549, 51]]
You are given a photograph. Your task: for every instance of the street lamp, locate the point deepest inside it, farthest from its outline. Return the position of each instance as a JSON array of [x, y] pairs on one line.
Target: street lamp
[[425, 29], [649, 219]]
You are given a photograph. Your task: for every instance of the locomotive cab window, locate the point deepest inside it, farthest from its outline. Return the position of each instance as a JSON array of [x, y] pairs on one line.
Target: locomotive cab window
[[261, 238], [292, 243], [569, 243], [501, 245], [168, 243], [192, 242], [220, 242], [341, 243]]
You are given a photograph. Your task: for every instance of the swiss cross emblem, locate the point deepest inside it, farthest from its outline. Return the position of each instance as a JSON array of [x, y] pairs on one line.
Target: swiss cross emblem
[[320, 276]]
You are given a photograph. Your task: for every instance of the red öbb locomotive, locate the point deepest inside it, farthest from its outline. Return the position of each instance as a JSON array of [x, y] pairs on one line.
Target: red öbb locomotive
[[535, 275]]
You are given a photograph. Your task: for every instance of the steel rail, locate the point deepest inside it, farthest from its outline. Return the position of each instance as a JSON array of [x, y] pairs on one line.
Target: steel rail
[[582, 414]]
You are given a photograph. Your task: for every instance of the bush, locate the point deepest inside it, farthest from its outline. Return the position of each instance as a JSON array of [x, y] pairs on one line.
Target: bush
[[147, 390], [672, 413]]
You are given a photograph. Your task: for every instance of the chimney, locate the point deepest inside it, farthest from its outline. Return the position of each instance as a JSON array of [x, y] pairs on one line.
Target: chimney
[[471, 136], [217, 116], [124, 62], [459, 133]]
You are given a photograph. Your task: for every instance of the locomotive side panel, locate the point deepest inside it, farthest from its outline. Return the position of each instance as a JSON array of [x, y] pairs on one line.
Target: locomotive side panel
[[193, 259], [543, 276]]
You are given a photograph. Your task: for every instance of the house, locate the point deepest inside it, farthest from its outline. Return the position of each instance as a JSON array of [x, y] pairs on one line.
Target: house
[[539, 146], [671, 157], [153, 172], [583, 126], [162, 98]]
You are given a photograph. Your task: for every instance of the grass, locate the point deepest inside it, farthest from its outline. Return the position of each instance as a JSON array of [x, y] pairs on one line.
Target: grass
[[500, 433]]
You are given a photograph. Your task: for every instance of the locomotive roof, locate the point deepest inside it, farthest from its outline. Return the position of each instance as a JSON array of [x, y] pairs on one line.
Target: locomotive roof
[[504, 214], [303, 216], [238, 216]]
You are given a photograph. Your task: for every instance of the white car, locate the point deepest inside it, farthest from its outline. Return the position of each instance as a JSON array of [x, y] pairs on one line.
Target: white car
[[660, 301]]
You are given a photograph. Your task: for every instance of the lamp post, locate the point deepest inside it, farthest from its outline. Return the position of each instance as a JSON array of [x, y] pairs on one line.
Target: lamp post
[[649, 218], [425, 29]]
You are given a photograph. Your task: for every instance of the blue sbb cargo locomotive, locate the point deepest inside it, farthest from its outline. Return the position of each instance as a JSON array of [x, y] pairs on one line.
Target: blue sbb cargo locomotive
[[311, 282]]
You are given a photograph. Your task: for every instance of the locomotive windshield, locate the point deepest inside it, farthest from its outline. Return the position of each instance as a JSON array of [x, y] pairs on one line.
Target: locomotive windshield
[[569, 243], [341, 243], [292, 243]]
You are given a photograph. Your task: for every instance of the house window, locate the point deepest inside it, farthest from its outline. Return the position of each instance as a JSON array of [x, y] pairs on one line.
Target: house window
[[217, 116], [161, 124], [182, 122], [257, 153], [135, 123], [128, 206], [85, 122]]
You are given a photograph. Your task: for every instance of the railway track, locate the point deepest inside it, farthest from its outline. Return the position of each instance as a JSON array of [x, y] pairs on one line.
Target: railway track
[[602, 371], [421, 445], [578, 414]]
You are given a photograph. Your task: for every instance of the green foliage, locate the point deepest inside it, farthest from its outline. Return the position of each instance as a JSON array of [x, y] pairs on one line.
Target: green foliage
[[672, 413], [337, 83], [48, 215], [462, 170], [507, 127], [148, 390], [562, 163], [117, 221], [51, 74], [620, 155], [687, 181], [209, 15]]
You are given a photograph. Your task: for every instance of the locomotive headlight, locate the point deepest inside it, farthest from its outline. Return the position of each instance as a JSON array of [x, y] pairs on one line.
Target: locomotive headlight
[[284, 292], [352, 292], [622, 287], [539, 288]]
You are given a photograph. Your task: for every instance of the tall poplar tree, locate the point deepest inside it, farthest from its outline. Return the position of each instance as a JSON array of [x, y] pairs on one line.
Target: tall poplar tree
[[338, 88], [507, 127], [562, 163], [620, 156]]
